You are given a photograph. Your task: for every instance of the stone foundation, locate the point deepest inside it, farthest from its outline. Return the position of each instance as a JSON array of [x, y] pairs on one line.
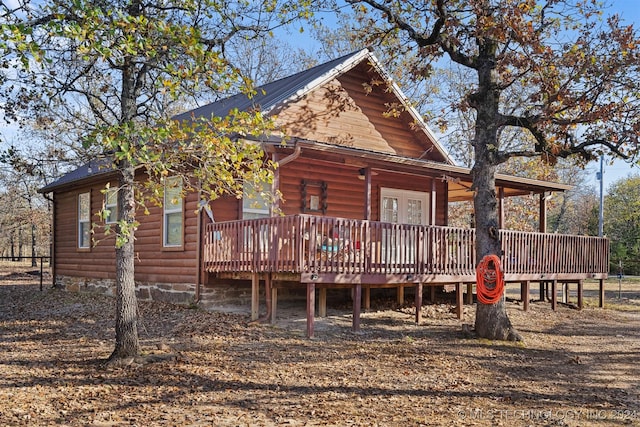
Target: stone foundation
[[174, 293]]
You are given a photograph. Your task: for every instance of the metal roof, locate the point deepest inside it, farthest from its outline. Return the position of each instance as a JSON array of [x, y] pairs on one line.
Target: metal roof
[[92, 169], [273, 94]]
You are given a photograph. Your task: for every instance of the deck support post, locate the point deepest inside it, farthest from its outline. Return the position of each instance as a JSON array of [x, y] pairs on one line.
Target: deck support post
[[601, 293], [542, 290], [565, 292], [400, 293], [524, 294], [367, 297], [322, 302], [554, 294], [255, 296], [357, 301], [311, 307], [274, 303], [432, 294], [418, 301], [469, 293], [459, 301], [580, 294]]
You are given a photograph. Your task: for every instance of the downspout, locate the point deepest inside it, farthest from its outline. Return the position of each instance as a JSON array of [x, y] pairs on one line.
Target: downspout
[[291, 157], [199, 259], [268, 284]]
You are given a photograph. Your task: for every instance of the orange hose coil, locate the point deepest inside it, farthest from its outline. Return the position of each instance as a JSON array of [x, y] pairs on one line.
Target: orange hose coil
[[489, 281]]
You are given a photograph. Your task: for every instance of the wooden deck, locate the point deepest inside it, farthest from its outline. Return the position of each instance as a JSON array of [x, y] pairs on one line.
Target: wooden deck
[[322, 252], [336, 250]]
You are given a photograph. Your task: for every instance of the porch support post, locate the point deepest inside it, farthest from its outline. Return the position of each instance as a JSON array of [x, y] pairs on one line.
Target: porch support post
[[322, 302], [524, 294], [400, 294], [367, 193], [469, 293], [357, 300], [432, 293], [418, 301], [311, 307], [601, 293], [554, 294], [543, 213], [459, 300], [255, 296], [275, 185], [501, 207], [580, 294], [565, 292], [367, 297], [542, 285]]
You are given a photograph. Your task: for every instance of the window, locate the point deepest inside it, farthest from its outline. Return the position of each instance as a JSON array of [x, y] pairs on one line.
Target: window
[[173, 213], [84, 224], [111, 205], [255, 200]]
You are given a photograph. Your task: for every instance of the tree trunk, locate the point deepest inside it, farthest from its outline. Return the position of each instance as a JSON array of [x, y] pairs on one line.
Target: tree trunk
[[127, 344], [492, 321], [34, 263]]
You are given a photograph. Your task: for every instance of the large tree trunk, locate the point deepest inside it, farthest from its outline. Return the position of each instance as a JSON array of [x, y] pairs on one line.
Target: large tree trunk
[[127, 344], [492, 321]]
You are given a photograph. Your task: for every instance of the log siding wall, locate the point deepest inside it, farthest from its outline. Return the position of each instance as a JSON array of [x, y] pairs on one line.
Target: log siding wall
[[153, 262]]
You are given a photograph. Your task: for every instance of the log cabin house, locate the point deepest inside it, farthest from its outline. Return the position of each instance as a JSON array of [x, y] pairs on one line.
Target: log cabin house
[[365, 205]]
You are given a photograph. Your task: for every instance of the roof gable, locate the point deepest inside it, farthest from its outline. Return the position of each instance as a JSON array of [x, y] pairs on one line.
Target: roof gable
[[342, 80]]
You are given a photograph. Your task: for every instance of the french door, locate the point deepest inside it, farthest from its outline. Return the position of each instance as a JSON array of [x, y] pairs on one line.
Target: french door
[[401, 207]]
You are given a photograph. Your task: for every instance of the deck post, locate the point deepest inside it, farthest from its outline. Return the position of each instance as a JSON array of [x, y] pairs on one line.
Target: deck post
[[255, 296], [565, 292], [601, 294], [580, 295], [432, 294], [357, 301], [554, 294], [311, 307], [541, 283], [274, 304], [469, 293], [322, 302], [459, 302], [367, 297], [400, 293], [418, 301], [524, 294]]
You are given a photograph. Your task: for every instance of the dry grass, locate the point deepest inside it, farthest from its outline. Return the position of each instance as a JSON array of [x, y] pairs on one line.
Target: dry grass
[[575, 368]]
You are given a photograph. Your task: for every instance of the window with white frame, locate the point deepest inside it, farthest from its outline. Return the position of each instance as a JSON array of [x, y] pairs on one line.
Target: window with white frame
[[111, 205], [84, 220], [255, 200], [173, 213]]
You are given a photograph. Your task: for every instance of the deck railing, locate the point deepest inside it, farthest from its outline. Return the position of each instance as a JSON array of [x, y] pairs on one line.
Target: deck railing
[[322, 245]]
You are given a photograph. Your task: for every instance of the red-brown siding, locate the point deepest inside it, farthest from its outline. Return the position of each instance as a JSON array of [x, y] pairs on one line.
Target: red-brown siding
[[153, 262]]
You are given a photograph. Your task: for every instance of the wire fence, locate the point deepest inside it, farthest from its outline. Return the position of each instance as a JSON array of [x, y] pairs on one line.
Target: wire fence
[[35, 265]]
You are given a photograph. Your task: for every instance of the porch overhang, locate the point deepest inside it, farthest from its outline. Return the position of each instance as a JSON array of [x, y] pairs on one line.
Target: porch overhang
[[458, 178]]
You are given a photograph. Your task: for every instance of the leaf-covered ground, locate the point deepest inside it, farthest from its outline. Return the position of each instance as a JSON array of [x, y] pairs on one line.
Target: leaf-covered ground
[[575, 368]]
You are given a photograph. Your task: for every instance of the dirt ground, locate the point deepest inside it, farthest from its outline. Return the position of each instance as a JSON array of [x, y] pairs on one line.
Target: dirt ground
[[575, 368]]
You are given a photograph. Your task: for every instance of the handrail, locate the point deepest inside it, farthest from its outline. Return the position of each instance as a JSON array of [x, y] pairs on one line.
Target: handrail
[[308, 243]]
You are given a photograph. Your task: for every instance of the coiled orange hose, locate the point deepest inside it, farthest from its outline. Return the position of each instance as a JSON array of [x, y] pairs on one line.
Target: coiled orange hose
[[489, 281]]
